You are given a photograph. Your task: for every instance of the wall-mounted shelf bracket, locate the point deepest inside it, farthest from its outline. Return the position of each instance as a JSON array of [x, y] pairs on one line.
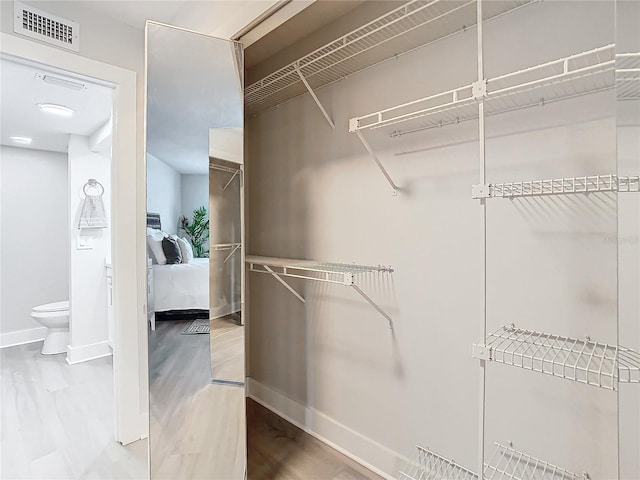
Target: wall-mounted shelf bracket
[[233, 250], [223, 168], [231, 180], [481, 352], [480, 191], [234, 247], [313, 95], [478, 89], [284, 284], [378, 162]]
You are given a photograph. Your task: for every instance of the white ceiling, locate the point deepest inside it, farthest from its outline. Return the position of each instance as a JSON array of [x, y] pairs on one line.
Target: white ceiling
[[220, 18], [21, 90]]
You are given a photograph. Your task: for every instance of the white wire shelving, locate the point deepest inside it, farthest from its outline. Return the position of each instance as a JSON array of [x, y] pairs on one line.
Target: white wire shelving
[[234, 247], [628, 76], [428, 465], [567, 77], [558, 186], [508, 463], [584, 361], [411, 25], [335, 273], [505, 463]]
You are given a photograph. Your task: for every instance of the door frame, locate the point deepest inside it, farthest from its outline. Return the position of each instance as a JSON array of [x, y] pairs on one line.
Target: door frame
[[129, 302]]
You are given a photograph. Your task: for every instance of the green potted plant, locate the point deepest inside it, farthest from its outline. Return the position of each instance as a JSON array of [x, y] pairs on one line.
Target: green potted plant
[[197, 231]]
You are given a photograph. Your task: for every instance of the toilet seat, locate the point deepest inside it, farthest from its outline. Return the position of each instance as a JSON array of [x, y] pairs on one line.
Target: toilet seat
[[52, 307]]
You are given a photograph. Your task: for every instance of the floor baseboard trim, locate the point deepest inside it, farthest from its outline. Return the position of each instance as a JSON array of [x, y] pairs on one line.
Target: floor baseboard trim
[[234, 308], [371, 454], [21, 337], [88, 352]]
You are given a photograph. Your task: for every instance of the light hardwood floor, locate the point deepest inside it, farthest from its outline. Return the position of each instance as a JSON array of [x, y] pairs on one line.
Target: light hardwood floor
[[277, 450], [197, 428], [58, 421]]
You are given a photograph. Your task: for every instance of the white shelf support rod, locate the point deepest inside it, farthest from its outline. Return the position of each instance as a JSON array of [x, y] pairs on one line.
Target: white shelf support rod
[[285, 284], [378, 162], [374, 305], [313, 95], [483, 243], [234, 250], [231, 180]]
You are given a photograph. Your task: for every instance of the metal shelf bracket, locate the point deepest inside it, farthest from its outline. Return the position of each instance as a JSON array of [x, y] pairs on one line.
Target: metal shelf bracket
[[313, 95], [480, 191], [285, 284], [373, 304], [481, 352], [479, 89], [233, 250], [378, 162]]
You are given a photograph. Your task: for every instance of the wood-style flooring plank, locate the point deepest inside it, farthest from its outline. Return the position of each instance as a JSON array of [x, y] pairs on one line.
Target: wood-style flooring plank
[[278, 450], [58, 419]]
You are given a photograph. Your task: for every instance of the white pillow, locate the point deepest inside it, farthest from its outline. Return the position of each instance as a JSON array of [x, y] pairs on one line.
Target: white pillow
[[186, 250], [154, 241]]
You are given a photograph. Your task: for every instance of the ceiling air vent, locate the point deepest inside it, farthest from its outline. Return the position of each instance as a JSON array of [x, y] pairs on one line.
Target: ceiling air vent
[[45, 27]]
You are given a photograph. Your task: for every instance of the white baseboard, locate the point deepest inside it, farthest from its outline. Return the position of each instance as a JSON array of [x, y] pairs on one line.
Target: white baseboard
[[85, 353], [233, 308], [367, 452], [11, 339]]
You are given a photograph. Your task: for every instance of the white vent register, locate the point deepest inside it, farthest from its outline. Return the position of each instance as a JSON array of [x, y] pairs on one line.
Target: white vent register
[[45, 27]]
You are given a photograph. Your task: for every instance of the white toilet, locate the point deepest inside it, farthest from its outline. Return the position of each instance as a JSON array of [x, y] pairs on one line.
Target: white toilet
[[54, 316]]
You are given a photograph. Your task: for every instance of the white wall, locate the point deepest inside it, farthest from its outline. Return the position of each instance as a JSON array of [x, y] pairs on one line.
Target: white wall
[[164, 192], [195, 194], [88, 295], [332, 363], [34, 258]]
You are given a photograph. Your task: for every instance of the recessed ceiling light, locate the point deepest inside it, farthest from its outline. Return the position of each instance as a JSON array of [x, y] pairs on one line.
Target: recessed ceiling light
[[54, 109], [21, 140]]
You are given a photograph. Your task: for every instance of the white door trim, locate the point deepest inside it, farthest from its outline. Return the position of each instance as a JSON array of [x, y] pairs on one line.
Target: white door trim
[[128, 281]]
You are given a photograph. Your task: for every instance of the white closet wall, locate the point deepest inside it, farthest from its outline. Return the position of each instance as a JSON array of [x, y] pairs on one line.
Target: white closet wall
[[332, 364]]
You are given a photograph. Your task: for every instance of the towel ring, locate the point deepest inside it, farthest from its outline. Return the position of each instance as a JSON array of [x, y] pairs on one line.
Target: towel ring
[[93, 183]]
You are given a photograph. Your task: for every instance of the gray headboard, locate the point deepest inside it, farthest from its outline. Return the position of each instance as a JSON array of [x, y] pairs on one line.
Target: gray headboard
[[153, 221]]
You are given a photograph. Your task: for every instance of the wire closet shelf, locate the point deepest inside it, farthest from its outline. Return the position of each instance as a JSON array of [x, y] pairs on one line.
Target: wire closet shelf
[[428, 465], [567, 77], [561, 186], [508, 463], [628, 76], [335, 273], [414, 24], [340, 273], [583, 361], [504, 463]]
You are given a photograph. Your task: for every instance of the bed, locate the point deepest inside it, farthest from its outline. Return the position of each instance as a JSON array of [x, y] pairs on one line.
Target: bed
[[180, 290]]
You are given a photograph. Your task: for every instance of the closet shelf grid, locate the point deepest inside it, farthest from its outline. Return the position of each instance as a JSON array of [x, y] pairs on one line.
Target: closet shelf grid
[[567, 77], [560, 79], [558, 186], [336, 273], [428, 465], [414, 24], [508, 463], [628, 76], [505, 463], [234, 247], [583, 361]]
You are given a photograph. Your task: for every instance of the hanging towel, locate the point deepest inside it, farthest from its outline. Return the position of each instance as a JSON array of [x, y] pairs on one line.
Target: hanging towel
[[93, 214]]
